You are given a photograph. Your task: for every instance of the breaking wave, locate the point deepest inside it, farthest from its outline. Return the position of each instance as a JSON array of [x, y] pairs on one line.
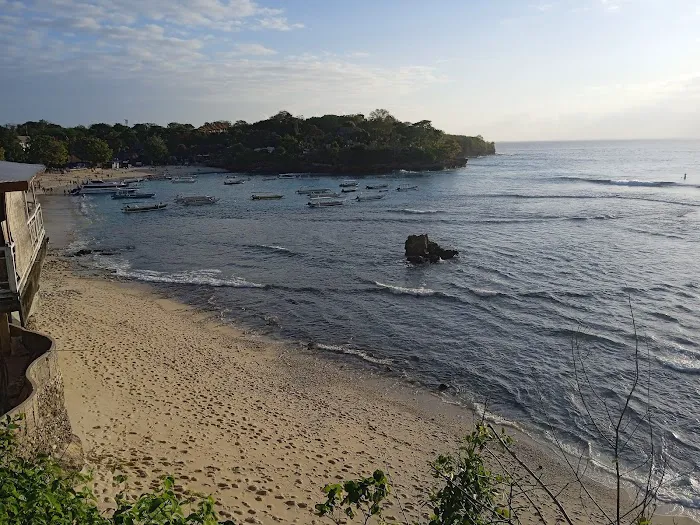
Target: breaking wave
[[411, 211], [356, 352]]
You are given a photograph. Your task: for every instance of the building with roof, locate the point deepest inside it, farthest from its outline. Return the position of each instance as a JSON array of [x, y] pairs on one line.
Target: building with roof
[[23, 242]]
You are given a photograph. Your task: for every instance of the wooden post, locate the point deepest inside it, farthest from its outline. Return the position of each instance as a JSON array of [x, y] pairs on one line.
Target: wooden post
[[5, 351], [5, 339]]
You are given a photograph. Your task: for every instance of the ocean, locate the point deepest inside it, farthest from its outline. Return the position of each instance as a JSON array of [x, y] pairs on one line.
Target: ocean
[[555, 239]]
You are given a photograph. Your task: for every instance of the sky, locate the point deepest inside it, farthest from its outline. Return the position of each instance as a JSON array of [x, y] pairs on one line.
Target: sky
[[505, 69]]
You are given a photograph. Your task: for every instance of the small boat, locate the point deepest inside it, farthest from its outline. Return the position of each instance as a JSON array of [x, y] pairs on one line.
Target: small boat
[[196, 200], [132, 194], [348, 190], [266, 196], [229, 182], [349, 183], [333, 194], [183, 180], [100, 186], [134, 208], [323, 202], [377, 186], [372, 197], [309, 191], [270, 178], [406, 187], [287, 176]]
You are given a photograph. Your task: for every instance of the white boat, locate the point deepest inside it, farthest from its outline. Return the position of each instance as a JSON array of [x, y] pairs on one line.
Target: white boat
[[377, 186], [309, 191], [229, 182], [266, 196], [183, 180], [135, 208], [196, 200], [371, 197], [349, 184], [348, 190], [406, 187], [100, 186], [334, 194], [323, 202], [130, 193]]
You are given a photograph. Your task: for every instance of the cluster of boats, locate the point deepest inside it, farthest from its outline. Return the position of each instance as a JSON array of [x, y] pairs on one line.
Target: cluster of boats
[[122, 190], [317, 197]]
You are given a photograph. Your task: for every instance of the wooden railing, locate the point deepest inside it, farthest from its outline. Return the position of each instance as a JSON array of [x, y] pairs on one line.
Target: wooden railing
[[35, 223]]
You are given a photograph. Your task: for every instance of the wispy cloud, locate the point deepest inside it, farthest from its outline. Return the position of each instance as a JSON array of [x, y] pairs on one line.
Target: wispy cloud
[[278, 23]]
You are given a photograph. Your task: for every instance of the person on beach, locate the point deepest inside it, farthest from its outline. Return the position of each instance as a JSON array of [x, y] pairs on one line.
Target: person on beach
[[684, 176]]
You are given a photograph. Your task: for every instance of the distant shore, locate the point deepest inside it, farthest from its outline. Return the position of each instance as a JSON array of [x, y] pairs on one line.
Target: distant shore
[[260, 424]]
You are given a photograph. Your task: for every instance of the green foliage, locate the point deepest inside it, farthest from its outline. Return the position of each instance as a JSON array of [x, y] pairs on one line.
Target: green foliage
[[2, 153], [93, 150], [471, 493], [468, 494], [155, 149], [39, 491], [329, 143], [362, 497], [47, 150]]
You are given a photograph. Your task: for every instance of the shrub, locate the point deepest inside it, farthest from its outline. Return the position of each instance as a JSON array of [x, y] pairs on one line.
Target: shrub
[[39, 491]]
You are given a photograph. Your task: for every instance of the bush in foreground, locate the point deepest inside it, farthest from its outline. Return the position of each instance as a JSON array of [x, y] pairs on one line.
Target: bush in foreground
[[39, 491]]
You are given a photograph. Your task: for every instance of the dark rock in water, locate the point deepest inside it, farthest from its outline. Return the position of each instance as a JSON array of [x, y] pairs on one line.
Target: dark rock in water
[[442, 387], [420, 249], [84, 251]]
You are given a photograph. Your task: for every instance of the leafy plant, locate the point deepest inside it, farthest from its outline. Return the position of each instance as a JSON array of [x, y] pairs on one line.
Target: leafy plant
[[362, 497], [471, 493], [39, 491]]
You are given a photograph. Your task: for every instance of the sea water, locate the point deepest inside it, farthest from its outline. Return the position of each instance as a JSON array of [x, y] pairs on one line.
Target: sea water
[[555, 239]]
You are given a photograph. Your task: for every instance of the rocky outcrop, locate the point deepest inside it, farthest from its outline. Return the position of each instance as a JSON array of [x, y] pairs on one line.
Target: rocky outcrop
[[420, 249]]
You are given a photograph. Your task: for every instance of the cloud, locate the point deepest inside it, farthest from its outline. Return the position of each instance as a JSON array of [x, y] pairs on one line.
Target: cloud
[[278, 23], [249, 50], [220, 15]]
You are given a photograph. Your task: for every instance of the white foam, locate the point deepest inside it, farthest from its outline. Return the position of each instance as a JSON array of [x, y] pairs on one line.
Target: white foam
[[275, 247], [418, 212], [206, 277], [349, 350], [400, 290]]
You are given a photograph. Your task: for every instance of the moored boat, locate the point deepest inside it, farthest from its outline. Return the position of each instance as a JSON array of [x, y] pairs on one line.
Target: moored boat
[[377, 186], [135, 208], [348, 190], [309, 191], [183, 180], [349, 183], [323, 202], [100, 186], [229, 182], [287, 176], [266, 196], [406, 187], [196, 200], [372, 197], [132, 194]]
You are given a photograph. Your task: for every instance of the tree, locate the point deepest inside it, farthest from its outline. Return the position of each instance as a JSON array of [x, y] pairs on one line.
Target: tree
[[381, 115], [2, 153], [48, 151], [155, 149], [93, 150]]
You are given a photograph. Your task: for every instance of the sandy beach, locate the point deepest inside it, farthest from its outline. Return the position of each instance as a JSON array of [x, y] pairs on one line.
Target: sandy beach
[[155, 387], [58, 183]]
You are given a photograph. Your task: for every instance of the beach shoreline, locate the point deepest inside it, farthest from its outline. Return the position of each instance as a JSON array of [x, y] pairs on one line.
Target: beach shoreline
[[334, 419]]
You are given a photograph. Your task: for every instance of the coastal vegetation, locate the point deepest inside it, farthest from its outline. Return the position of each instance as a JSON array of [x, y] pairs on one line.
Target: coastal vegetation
[[330, 143]]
